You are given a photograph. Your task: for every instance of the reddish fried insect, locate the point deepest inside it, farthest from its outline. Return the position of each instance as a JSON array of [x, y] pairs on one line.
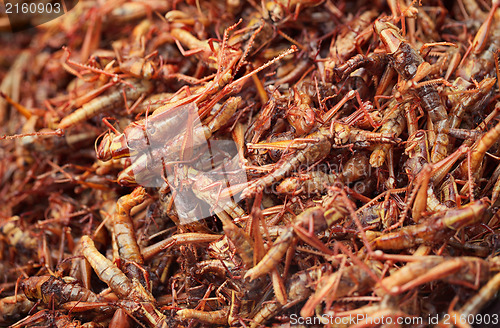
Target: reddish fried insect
[[434, 229], [321, 143], [407, 61], [50, 288]]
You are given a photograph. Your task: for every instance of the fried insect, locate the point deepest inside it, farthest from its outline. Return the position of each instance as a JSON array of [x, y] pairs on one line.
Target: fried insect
[[309, 183], [373, 63], [50, 288], [466, 269], [478, 152], [471, 101], [344, 282], [242, 242], [16, 237], [218, 317], [321, 143], [12, 308], [435, 229], [106, 103], [178, 239], [301, 114], [356, 168], [479, 42], [46, 318], [394, 122], [137, 301], [123, 229], [109, 273], [485, 294], [201, 188], [320, 218], [152, 159], [348, 40], [407, 62], [298, 289]]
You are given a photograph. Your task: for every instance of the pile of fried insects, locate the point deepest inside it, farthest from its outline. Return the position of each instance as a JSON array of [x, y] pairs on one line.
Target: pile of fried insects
[[251, 163]]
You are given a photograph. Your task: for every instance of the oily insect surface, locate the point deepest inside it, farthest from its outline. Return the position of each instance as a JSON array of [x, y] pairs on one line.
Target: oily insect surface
[[233, 163]]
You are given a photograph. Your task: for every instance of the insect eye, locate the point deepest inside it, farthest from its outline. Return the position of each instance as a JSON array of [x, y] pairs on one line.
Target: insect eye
[[132, 144], [151, 129], [137, 138]]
